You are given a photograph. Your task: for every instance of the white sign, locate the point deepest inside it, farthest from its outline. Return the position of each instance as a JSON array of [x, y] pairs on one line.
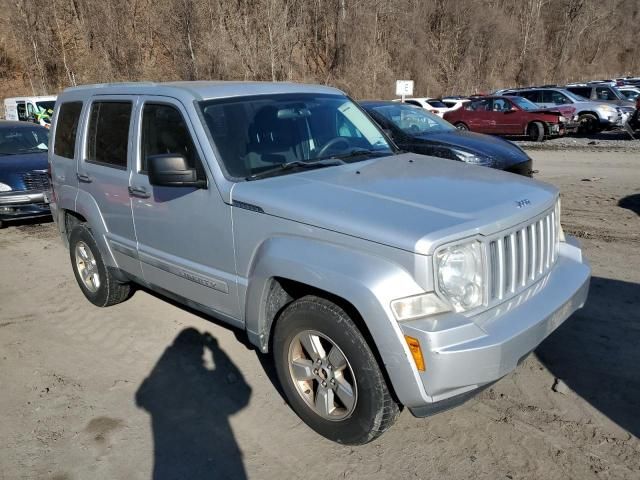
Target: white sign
[[404, 87]]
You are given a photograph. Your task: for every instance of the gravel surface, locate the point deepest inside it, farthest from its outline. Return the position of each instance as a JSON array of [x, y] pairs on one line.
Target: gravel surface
[[615, 140], [147, 389]]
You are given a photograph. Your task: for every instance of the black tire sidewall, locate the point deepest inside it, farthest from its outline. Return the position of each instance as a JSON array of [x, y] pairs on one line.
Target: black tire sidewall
[[82, 233], [536, 131], [312, 313], [462, 127], [588, 123]]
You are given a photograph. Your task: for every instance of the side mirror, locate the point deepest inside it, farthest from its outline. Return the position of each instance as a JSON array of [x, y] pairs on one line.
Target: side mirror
[[172, 170]]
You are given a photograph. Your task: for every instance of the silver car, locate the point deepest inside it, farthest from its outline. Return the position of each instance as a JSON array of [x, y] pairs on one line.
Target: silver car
[[376, 279]]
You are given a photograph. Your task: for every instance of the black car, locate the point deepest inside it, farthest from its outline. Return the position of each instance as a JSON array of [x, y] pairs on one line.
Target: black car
[[23, 171], [416, 130]]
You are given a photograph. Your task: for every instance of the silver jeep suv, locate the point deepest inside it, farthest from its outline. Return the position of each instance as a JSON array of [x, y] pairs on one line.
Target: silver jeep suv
[[376, 279]]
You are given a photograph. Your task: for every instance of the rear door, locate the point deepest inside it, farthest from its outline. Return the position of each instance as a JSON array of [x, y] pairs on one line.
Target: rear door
[[185, 241], [103, 173], [21, 108]]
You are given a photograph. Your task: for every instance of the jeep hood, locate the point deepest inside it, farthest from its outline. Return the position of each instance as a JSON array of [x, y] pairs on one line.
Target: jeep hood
[[408, 201]]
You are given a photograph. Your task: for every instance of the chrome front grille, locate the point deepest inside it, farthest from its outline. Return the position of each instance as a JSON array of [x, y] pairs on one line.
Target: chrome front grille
[[519, 258], [36, 180]]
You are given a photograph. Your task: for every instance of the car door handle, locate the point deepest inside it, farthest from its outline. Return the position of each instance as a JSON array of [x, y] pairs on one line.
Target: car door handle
[[84, 178], [138, 192]]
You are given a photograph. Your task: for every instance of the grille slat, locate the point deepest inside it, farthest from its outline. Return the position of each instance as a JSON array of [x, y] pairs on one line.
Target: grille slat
[[36, 180], [520, 257]]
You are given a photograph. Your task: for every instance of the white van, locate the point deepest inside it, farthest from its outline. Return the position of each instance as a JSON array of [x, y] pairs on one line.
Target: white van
[[26, 108]]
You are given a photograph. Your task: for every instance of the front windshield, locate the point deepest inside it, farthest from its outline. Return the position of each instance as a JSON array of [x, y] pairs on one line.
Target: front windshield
[[17, 140], [630, 94], [413, 120], [524, 104], [257, 134]]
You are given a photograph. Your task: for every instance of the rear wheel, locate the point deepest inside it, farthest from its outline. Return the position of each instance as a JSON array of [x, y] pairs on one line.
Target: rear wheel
[[329, 374], [535, 131], [94, 278], [588, 124], [461, 126]]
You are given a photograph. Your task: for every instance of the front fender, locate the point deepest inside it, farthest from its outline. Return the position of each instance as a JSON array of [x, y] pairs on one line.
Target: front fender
[[366, 281]]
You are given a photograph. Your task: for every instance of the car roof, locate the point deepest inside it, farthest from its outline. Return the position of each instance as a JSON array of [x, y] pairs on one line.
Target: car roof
[[16, 124], [198, 90], [379, 103]]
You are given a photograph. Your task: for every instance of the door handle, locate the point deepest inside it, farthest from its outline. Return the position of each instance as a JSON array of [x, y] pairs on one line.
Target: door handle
[[138, 192], [84, 178]]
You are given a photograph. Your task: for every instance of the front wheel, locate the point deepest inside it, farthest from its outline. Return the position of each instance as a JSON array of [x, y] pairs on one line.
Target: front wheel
[[588, 124], [94, 278], [329, 374], [461, 126], [535, 131]]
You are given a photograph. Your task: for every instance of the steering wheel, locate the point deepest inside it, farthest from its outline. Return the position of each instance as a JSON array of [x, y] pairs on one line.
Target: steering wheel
[[331, 143]]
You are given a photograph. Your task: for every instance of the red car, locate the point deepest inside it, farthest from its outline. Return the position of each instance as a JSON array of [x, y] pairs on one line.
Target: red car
[[512, 116]]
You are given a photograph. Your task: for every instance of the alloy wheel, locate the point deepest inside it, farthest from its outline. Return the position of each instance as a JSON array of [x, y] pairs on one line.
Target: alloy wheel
[[322, 375]]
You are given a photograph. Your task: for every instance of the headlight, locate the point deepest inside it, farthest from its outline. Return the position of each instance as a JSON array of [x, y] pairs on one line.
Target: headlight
[[460, 275], [4, 187], [607, 109], [562, 119], [472, 158]]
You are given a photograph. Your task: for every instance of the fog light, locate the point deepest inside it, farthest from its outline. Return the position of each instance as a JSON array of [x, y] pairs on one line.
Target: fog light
[[416, 352]]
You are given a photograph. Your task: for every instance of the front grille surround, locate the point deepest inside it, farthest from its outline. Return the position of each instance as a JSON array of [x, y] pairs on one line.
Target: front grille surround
[[514, 259], [519, 257], [36, 180]]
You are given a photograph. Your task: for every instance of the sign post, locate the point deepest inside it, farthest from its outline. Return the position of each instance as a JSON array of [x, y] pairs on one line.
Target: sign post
[[404, 88]]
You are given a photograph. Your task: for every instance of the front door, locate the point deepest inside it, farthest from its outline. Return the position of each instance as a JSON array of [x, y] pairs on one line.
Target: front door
[[185, 242], [103, 173], [505, 119]]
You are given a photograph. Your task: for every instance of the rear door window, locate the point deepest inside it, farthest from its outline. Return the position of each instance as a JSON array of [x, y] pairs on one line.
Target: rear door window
[[534, 96], [582, 91], [64, 144], [108, 133]]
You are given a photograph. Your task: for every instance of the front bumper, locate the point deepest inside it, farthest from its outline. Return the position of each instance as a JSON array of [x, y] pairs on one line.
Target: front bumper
[[463, 354], [23, 205]]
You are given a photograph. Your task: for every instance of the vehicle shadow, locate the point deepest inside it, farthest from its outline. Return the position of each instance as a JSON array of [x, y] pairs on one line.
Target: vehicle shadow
[[596, 352], [190, 394], [27, 222], [631, 202]]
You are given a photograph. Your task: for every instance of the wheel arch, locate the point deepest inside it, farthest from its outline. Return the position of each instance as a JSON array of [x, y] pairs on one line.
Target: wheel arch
[[361, 284]]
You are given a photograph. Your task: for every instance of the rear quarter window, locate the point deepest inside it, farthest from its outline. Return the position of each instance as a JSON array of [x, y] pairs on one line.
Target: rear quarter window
[[64, 143]]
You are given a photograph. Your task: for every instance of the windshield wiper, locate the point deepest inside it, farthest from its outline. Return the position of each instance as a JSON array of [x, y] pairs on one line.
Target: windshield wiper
[[328, 162], [356, 152]]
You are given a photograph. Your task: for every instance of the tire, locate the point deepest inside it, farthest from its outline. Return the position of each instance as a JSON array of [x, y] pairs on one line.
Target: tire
[[370, 409], [461, 126], [535, 131], [588, 124], [101, 288]]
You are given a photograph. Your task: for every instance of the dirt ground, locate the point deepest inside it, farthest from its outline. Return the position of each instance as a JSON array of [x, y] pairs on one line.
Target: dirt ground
[[146, 389]]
